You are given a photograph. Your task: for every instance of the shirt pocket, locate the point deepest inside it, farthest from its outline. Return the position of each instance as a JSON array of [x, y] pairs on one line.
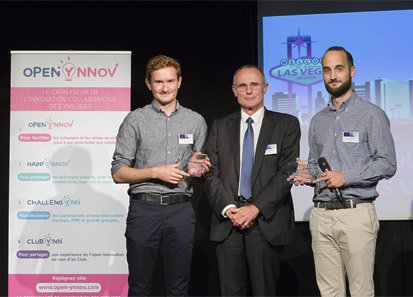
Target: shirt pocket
[[359, 149]]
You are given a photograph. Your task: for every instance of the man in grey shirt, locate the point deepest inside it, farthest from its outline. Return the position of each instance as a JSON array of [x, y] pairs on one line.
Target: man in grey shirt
[[354, 136], [149, 148]]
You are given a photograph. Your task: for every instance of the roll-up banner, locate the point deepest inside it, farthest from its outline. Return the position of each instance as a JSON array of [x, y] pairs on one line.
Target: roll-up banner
[[66, 216]]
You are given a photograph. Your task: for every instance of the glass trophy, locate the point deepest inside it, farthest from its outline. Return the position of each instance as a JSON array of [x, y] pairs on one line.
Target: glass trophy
[[303, 171], [193, 164]]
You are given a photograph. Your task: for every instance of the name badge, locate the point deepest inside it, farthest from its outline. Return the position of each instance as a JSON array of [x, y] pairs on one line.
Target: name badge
[[271, 149], [185, 138], [349, 136]]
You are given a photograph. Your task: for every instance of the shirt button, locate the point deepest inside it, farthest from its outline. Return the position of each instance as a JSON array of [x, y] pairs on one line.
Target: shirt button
[[334, 152], [169, 152], [338, 117], [335, 134], [169, 135]]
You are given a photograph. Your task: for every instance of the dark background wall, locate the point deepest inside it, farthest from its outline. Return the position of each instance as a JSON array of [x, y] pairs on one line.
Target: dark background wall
[[211, 40]]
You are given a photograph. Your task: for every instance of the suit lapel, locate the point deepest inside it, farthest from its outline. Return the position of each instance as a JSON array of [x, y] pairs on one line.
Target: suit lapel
[[267, 127], [234, 132]]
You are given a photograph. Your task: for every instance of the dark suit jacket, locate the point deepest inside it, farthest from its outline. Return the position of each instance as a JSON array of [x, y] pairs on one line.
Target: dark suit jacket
[[271, 190]]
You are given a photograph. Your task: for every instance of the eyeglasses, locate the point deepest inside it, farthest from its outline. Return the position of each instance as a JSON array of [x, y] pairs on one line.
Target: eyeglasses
[[254, 86]]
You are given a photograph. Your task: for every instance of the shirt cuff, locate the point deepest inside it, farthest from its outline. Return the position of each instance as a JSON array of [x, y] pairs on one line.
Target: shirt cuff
[[226, 208], [350, 177]]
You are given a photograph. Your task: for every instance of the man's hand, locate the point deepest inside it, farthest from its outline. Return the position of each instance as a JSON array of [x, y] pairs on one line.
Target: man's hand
[[198, 164], [169, 173], [231, 212], [244, 216], [333, 179]]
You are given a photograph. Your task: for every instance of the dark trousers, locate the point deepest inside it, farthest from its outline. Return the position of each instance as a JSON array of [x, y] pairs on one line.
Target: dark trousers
[[169, 228], [248, 250]]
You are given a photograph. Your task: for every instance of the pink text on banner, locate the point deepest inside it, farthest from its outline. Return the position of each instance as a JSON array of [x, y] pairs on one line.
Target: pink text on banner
[[69, 99]]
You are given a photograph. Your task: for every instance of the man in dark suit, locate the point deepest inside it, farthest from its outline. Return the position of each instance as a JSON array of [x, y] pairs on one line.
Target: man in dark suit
[[247, 187]]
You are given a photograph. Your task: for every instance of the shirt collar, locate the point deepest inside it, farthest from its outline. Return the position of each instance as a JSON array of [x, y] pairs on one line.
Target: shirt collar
[[257, 116], [158, 109], [346, 103]]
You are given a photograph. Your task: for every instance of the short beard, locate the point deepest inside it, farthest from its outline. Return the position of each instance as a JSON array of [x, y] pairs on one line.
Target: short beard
[[337, 92]]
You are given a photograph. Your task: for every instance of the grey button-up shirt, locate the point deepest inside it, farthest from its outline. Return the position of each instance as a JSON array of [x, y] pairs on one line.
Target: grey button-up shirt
[[356, 140], [148, 138]]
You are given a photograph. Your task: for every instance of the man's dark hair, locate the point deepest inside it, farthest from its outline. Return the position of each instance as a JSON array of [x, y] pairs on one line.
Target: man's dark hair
[[341, 49]]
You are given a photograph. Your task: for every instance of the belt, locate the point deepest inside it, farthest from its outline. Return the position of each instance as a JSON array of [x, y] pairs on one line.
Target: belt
[[161, 199], [336, 204], [243, 201]]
